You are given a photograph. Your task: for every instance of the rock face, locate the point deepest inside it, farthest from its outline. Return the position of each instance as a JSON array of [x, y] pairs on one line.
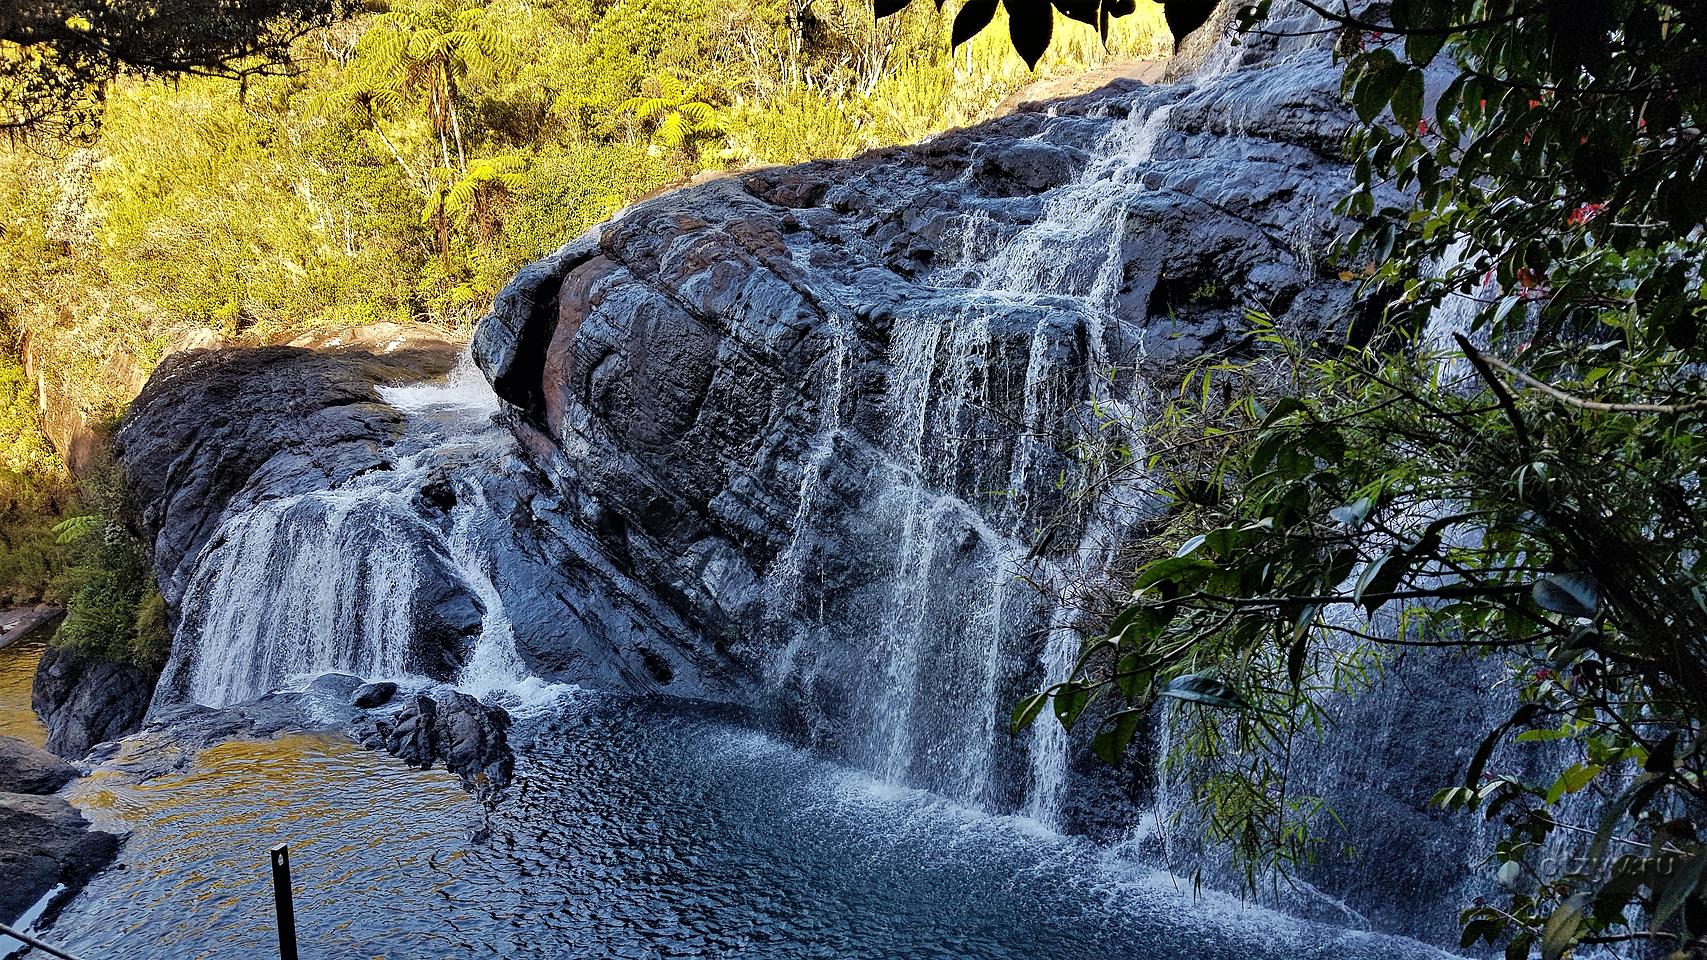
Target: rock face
[[85, 700], [45, 842], [396, 530], [217, 433], [823, 439], [215, 429], [842, 419], [828, 414]]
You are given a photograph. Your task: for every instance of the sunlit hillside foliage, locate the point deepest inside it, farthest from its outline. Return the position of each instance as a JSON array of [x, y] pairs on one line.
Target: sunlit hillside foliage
[[422, 154], [415, 158]]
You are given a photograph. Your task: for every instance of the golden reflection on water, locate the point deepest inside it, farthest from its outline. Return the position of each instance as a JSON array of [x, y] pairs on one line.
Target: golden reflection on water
[[17, 673], [365, 835]]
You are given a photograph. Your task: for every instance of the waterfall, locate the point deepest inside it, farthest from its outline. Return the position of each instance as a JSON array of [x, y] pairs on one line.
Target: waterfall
[[348, 578], [971, 562]]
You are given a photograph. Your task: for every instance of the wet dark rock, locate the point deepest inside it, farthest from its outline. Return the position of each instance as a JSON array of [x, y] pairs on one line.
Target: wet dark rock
[[335, 686], [45, 842], [469, 737], [84, 699], [686, 374], [370, 695], [26, 768], [214, 430]]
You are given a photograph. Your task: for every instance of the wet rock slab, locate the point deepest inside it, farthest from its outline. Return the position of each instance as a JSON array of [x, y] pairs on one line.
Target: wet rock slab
[[26, 768], [44, 841]]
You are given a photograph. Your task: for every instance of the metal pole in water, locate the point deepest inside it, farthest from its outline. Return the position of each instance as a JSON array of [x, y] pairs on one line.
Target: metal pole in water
[[281, 900]]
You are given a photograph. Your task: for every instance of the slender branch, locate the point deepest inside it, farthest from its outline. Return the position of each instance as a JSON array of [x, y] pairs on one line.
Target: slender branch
[[1575, 401], [1508, 404]]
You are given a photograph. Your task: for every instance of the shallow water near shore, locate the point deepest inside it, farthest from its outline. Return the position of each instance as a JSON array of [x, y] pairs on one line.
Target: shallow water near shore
[[638, 830], [17, 672]]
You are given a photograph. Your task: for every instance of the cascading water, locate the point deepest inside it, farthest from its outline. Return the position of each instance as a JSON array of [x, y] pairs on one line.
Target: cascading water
[[352, 578], [981, 548]]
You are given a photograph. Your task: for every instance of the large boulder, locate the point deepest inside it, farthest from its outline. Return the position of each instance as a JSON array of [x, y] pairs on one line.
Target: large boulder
[[831, 416], [471, 738], [214, 430], [26, 768]]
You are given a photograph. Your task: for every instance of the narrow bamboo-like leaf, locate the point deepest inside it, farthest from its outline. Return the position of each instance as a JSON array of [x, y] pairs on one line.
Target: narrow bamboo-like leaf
[[1572, 594], [1562, 929], [1197, 688]]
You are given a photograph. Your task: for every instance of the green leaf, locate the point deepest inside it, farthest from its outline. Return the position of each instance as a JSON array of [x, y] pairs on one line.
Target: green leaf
[[1479, 761], [1284, 407], [1115, 735], [973, 17], [1354, 513], [1420, 48], [1030, 23], [1679, 883], [1663, 758], [1575, 777], [72, 529], [1563, 929], [1296, 659], [1070, 701], [1027, 710], [1381, 73], [1381, 576], [1572, 594], [1180, 570], [1408, 99]]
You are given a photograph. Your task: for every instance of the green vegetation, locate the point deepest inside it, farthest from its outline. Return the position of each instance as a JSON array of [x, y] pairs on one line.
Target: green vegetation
[[112, 609], [1536, 500], [56, 56], [32, 490], [414, 158], [59, 545]]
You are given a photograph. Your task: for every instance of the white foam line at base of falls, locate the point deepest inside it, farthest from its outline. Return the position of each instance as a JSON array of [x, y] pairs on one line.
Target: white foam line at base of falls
[[334, 580]]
